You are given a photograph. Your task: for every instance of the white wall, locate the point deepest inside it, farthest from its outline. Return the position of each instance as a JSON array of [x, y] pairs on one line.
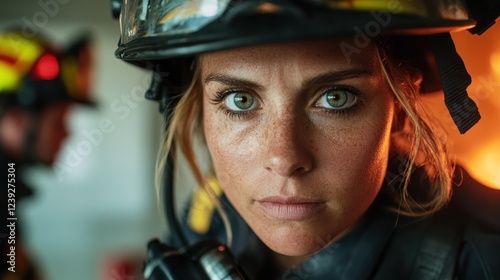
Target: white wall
[[100, 203]]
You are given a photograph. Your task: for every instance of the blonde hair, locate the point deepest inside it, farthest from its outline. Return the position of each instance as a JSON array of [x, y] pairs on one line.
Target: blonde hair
[[185, 125], [415, 144]]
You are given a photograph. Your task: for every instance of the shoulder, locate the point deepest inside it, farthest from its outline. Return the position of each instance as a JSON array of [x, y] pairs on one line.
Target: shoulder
[[479, 202], [479, 257], [479, 208], [461, 241]]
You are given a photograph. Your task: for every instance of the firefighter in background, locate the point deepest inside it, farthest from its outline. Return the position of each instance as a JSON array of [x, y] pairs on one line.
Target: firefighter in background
[[38, 85]]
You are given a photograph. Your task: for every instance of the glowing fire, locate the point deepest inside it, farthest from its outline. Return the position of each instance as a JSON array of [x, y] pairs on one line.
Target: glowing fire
[[484, 164], [495, 63], [479, 149]]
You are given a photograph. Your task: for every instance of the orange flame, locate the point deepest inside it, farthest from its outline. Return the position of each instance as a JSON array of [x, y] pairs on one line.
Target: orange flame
[[495, 63], [484, 164]]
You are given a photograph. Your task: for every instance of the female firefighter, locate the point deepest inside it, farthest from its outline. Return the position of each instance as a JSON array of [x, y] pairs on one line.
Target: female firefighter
[[322, 162]]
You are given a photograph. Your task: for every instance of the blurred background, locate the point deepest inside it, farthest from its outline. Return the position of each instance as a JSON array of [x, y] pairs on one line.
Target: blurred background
[[97, 207]]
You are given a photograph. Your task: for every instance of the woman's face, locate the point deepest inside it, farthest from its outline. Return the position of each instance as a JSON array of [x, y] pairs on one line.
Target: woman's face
[[299, 137]]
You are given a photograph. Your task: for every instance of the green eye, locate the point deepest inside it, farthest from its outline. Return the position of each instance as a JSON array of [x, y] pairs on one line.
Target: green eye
[[240, 101], [337, 99]]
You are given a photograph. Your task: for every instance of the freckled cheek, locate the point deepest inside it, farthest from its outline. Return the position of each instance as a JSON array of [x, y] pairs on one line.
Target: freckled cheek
[[372, 160], [357, 159], [233, 151], [233, 169], [368, 162]]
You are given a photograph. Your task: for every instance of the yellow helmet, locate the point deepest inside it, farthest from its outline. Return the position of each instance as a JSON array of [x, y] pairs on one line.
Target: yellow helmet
[[34, 74]]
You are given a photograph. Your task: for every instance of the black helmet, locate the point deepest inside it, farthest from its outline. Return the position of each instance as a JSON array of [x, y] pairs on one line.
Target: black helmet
[[173, 32]]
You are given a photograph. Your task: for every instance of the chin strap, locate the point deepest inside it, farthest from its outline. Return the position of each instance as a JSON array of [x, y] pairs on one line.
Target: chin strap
[[169, 81], [455, 80]]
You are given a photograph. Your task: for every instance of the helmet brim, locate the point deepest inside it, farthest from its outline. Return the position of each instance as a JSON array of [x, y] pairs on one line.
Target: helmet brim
[[215, 37]]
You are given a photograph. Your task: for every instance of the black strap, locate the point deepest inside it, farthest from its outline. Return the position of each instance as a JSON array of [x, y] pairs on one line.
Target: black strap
[[485, 12], [455, 80]]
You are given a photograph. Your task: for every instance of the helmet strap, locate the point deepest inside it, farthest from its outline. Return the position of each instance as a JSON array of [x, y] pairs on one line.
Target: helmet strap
[[454, 80], [167, 84]]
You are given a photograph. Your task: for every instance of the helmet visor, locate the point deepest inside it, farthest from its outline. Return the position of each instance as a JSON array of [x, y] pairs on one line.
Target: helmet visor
[[151, 18], [147, 18]]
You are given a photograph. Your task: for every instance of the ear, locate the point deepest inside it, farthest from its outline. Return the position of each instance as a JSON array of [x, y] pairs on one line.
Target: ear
[[415, 76], [399, 118], [14, 124]]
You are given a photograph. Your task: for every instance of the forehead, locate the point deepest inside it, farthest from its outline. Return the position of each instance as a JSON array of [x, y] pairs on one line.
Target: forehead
[[329, 53]]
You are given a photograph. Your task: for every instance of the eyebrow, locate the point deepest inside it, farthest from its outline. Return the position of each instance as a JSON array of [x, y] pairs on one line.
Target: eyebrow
[[325, 78], [232, 81], [336, 76]]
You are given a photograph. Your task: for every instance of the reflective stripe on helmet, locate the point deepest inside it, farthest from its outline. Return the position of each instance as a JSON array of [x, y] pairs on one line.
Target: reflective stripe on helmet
[[17, 56]]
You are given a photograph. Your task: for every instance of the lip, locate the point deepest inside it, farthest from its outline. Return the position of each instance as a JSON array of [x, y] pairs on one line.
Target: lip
[[290, 208]]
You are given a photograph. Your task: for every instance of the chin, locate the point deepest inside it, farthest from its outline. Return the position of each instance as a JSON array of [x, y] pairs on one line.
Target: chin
[[294, 242], [295, 251]]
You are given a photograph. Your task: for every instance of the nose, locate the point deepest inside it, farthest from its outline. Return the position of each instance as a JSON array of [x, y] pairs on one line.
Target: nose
[[288, 147]]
